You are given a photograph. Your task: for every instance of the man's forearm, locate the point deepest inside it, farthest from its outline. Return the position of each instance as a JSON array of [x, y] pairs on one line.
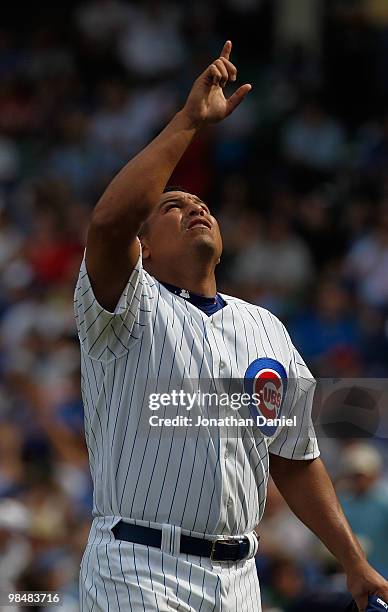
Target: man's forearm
[[136, 189], [308, 490]]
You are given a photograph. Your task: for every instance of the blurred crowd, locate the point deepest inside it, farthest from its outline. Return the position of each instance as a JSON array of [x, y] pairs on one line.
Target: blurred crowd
[[298, 178]]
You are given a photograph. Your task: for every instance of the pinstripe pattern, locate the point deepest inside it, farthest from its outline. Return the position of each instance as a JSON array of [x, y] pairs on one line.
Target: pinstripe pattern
[[205, 481], [143, 579]]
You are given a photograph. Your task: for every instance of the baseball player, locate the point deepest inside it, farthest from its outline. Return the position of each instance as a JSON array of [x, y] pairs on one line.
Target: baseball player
[[175, 507]]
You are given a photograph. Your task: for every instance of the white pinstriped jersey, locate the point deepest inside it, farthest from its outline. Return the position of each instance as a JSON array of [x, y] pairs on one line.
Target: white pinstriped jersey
[[201, 480]]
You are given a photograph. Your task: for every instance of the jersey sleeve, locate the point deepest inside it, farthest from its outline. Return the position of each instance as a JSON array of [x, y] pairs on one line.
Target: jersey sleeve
[[297, 441], [108, 335]]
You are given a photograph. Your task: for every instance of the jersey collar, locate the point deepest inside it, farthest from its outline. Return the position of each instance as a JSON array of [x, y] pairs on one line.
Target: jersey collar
[[209, 305]]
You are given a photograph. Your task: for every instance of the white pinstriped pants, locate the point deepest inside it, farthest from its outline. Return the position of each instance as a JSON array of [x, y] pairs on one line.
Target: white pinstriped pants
[[119, 576]]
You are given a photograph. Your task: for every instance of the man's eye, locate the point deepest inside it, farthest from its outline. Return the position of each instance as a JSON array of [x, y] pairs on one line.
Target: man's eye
[[172, 205]]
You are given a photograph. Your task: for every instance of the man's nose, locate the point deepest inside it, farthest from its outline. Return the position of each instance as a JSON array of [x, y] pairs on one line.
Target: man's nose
[[195, 209]]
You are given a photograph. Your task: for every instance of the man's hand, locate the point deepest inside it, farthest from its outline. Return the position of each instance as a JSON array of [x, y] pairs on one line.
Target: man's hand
[[206, 102], [363, 581]]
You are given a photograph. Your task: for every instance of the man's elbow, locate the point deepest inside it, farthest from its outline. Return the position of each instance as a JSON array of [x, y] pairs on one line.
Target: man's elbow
[[105, 217], [110, 225], [110, 222]]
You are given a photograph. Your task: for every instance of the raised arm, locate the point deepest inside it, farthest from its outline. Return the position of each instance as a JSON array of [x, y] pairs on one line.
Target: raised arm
[[112, 247], [307, 488]]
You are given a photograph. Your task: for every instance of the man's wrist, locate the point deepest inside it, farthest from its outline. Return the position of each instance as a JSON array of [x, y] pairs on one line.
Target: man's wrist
[[188, 122], [355, 564]]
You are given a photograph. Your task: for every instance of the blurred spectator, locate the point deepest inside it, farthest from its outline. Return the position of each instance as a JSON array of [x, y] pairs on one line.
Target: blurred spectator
[[314, 224], [330, 326], [51, 253], [299, 25], [277, 262], [18, 111], [75, 159], [11, 465], [11, 240], [233, 142], [126, 118], [286, 583], [54, 571], [280, 525], [373, 154], [9, 161], [48, 56], [314, 139], [313, 145], [153, 45], [15, 550], [195, 169], [365, 501], [366, 264], [374, 342], [102, 20]]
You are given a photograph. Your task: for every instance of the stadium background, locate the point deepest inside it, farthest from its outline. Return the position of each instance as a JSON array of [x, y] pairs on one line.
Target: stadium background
[[298, 178]]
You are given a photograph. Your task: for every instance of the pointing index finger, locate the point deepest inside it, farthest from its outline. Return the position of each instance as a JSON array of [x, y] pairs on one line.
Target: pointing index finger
[[226, 49]]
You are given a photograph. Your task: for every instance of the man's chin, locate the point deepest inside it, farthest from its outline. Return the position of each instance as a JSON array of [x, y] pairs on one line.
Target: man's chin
[[203, 243]]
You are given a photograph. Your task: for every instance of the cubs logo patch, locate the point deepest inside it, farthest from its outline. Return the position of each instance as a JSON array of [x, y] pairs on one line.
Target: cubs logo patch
[[266, 382]]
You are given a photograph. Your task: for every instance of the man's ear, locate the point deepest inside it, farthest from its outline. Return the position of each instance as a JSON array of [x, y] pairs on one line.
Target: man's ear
[[145, 249]]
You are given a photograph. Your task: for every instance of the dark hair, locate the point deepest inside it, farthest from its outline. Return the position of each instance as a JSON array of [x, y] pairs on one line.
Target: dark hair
[[169, 188]]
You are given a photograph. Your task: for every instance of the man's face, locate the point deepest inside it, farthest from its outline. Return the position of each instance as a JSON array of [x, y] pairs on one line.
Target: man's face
[[181, 226]]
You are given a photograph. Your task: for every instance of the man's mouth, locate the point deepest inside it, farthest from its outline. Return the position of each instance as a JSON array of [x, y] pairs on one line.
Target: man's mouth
[[199, 223]]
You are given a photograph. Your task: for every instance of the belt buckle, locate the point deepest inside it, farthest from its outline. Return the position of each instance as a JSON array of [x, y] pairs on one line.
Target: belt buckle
[[214, 544], [226, 540]]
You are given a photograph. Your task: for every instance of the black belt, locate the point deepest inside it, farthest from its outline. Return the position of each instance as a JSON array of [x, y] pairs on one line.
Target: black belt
[[222, 549]]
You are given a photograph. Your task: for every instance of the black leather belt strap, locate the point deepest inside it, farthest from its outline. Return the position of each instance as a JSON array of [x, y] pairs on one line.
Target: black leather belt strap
[[223, 549]]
